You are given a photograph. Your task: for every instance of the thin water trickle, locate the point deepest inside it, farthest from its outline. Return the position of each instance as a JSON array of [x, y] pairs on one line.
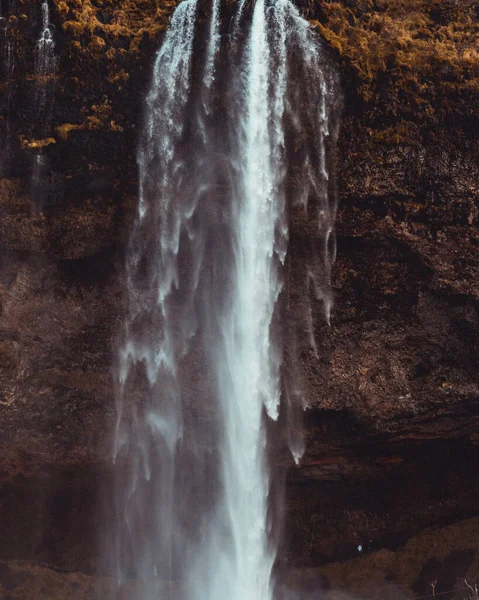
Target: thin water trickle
[[6, 48], [45, 62], [199, 370], [7, 70]]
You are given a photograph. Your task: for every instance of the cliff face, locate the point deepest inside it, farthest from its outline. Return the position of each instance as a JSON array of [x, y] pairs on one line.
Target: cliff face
[[392, 429], [392, 433]]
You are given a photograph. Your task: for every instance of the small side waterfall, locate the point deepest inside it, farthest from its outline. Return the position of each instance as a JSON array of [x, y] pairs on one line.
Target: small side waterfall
[[238, 137], [6, 48], [7, 69], [44, 93], [45, 62]]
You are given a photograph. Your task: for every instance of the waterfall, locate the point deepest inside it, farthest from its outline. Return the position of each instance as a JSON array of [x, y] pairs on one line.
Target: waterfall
[[6, 48], [237, 563], [45, 70], [225, 159], [7, 68], [45, 62]]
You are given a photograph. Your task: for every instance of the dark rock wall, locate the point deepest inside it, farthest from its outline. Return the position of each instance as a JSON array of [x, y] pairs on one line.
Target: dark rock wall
[[392, 429]]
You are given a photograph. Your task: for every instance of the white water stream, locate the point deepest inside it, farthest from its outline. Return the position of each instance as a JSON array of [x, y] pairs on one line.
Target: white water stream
[[7, 70], [6, 48], [199, 370], [44, 96], [45, 61]]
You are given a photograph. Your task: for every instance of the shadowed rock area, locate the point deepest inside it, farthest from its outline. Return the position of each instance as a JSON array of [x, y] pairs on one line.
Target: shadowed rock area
[[392, 436]]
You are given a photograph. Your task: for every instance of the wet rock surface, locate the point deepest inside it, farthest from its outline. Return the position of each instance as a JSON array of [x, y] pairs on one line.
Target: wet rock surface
[[391, 431]]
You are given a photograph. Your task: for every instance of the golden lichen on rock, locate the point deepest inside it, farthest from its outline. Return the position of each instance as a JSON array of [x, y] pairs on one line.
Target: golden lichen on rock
[[415, 41], [403, 133], [100, 119], [63, 131], [109, 33], [127, 19], [28, 144]]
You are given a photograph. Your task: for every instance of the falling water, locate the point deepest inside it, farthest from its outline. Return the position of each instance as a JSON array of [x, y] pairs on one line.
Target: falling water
[[7, 69], [150, 423], [45, 62], [199, 367], [6, 48], [45, 69]]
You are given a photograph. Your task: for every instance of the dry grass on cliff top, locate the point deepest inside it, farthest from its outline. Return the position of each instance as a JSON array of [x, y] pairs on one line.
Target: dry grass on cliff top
[[418, 42]]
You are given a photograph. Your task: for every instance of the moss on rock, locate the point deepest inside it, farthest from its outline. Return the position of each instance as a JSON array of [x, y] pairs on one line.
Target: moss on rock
[[415, 44]]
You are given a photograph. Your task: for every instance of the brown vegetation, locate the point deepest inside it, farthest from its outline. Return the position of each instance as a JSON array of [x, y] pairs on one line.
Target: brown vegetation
[[423, 47], [98, 24]]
